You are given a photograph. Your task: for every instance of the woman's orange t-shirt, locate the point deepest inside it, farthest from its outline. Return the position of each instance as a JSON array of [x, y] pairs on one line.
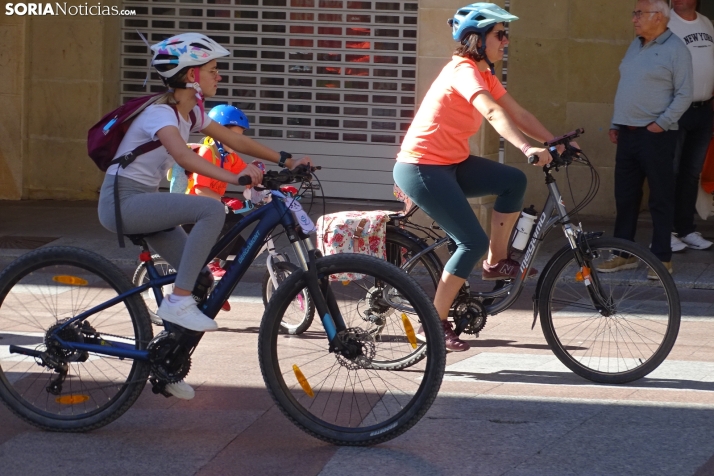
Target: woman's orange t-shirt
[[233, 163], [439, 134]]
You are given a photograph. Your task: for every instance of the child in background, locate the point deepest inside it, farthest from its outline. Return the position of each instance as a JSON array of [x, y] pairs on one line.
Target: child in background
[[224, 157]]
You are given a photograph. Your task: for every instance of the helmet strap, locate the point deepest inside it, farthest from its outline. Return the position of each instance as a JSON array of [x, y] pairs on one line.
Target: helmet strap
[[482, 51], [199, 91]]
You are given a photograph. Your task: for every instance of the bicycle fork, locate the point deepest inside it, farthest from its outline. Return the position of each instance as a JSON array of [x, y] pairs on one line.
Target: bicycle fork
[[587, 275], [324, 299]]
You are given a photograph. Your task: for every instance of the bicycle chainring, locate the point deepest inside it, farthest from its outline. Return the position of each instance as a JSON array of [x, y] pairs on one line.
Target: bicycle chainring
[[469, 316], [170, 362], [358, 349]]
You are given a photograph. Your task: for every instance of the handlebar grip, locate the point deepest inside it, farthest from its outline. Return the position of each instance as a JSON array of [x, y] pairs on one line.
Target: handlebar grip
[[533, 159], [244, 180]]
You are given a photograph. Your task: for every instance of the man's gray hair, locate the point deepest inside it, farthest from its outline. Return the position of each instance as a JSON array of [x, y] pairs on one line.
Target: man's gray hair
[[661, 6]]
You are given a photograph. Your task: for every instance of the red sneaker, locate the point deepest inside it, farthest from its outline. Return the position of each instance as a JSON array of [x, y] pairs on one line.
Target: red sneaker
[[216, 270], [226, 306], [505, 269], [452, 341]]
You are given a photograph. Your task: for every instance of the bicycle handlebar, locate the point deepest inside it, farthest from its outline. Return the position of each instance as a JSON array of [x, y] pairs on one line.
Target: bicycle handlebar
[[273, 179], [569, 154]]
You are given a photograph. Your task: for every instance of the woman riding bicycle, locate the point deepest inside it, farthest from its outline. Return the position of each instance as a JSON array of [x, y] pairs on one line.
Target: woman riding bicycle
[[434, 167], [187, 65]]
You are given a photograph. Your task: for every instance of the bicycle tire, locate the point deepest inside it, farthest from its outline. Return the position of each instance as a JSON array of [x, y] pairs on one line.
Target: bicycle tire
[[280, 355], [401, 245], [303, 307], [141, 276], [649, 319], [65, 281]]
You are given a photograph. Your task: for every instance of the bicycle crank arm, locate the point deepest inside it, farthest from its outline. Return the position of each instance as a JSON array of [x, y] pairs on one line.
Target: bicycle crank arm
[[14, 349]]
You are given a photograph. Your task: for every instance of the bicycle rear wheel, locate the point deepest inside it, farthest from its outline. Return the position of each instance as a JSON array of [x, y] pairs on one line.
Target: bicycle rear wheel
[[141, 276], [352, 402], [38, 292], [401, 246], [636, 332], [299, 316]]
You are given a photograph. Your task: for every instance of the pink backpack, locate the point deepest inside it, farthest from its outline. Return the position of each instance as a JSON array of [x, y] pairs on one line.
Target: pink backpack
[[105, 136]]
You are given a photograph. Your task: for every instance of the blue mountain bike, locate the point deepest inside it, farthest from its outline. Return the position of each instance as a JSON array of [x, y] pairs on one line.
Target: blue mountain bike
[[77, 346]]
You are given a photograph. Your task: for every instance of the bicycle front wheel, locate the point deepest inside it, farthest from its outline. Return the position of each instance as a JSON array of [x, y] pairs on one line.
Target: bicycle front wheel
[[350, 401], [628, 337], [40, 291]]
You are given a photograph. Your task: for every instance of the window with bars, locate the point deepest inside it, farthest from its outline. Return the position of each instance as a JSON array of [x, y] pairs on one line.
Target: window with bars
[[319, 70]]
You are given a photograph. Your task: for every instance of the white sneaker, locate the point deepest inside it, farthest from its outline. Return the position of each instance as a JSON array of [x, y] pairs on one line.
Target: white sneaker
[[185, 313], [695, 241], [677, 244], [181, 390]]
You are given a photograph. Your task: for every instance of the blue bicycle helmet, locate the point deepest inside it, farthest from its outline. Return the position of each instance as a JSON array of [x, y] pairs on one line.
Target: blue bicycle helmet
[[478, 18], [227, 115]]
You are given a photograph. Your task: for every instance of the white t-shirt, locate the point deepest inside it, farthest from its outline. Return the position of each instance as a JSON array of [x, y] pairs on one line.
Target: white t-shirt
[[149, 168], [698, 35]]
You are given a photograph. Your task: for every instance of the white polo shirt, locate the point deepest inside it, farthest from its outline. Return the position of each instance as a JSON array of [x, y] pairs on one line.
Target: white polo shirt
[[698, 35]]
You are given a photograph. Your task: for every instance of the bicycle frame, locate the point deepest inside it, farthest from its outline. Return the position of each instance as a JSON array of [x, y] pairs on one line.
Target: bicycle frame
[[268, 218]]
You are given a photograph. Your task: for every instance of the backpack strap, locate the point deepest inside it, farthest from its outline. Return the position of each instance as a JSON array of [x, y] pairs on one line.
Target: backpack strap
[[124, 161]]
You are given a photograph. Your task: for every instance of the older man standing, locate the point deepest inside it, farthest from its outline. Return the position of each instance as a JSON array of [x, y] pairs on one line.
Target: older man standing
[[695, 126], [654, 91]]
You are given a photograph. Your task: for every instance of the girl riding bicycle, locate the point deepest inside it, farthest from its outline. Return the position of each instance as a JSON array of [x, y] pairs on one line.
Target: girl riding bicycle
[[187, 65], [434, 167]]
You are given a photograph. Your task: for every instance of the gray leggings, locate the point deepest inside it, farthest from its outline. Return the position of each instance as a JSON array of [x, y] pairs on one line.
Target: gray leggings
[[145, 210]]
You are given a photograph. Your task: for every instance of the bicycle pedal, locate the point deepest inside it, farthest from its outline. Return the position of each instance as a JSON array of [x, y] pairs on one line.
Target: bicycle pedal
[[159, 388]]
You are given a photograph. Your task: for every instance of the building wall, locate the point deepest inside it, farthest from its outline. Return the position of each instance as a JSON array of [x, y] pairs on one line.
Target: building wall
[[63, 75], [563, 67], [12, 120], [60, 74]]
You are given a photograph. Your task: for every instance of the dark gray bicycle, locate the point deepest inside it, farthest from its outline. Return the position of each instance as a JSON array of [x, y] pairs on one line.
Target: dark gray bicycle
[[606, 327]]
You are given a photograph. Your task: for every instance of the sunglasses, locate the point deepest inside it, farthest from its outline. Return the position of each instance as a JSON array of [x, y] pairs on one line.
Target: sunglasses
[[501, 34]]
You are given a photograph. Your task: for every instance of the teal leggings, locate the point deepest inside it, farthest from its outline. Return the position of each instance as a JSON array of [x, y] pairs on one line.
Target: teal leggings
[[442, 192]]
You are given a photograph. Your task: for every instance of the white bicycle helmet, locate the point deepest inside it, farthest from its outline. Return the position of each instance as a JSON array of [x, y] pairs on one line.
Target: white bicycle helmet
[[478, 18], [185, 50]]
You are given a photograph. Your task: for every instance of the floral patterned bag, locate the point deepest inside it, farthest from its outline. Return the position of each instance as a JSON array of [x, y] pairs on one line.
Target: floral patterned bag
[[353, 232]]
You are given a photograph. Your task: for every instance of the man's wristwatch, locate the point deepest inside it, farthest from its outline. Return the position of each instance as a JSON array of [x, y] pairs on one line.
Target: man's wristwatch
[[283, 157]]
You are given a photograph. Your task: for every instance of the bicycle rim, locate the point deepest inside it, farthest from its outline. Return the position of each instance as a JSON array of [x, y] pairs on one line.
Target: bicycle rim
[[347, 401], [37, 294], [623, 346], [141, 276]]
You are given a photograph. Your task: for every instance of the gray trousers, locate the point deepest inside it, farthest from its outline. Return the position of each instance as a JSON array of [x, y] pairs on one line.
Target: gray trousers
[[145, 210]]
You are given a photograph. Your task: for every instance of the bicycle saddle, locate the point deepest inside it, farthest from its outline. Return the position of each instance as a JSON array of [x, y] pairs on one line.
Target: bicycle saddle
[[138, 238]]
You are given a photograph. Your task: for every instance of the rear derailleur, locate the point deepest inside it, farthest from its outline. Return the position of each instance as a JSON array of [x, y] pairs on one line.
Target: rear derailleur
[[57, 357]]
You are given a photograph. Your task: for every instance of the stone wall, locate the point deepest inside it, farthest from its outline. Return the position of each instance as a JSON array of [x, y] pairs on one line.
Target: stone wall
[[64, 75], [13, 143], [563, 67]]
